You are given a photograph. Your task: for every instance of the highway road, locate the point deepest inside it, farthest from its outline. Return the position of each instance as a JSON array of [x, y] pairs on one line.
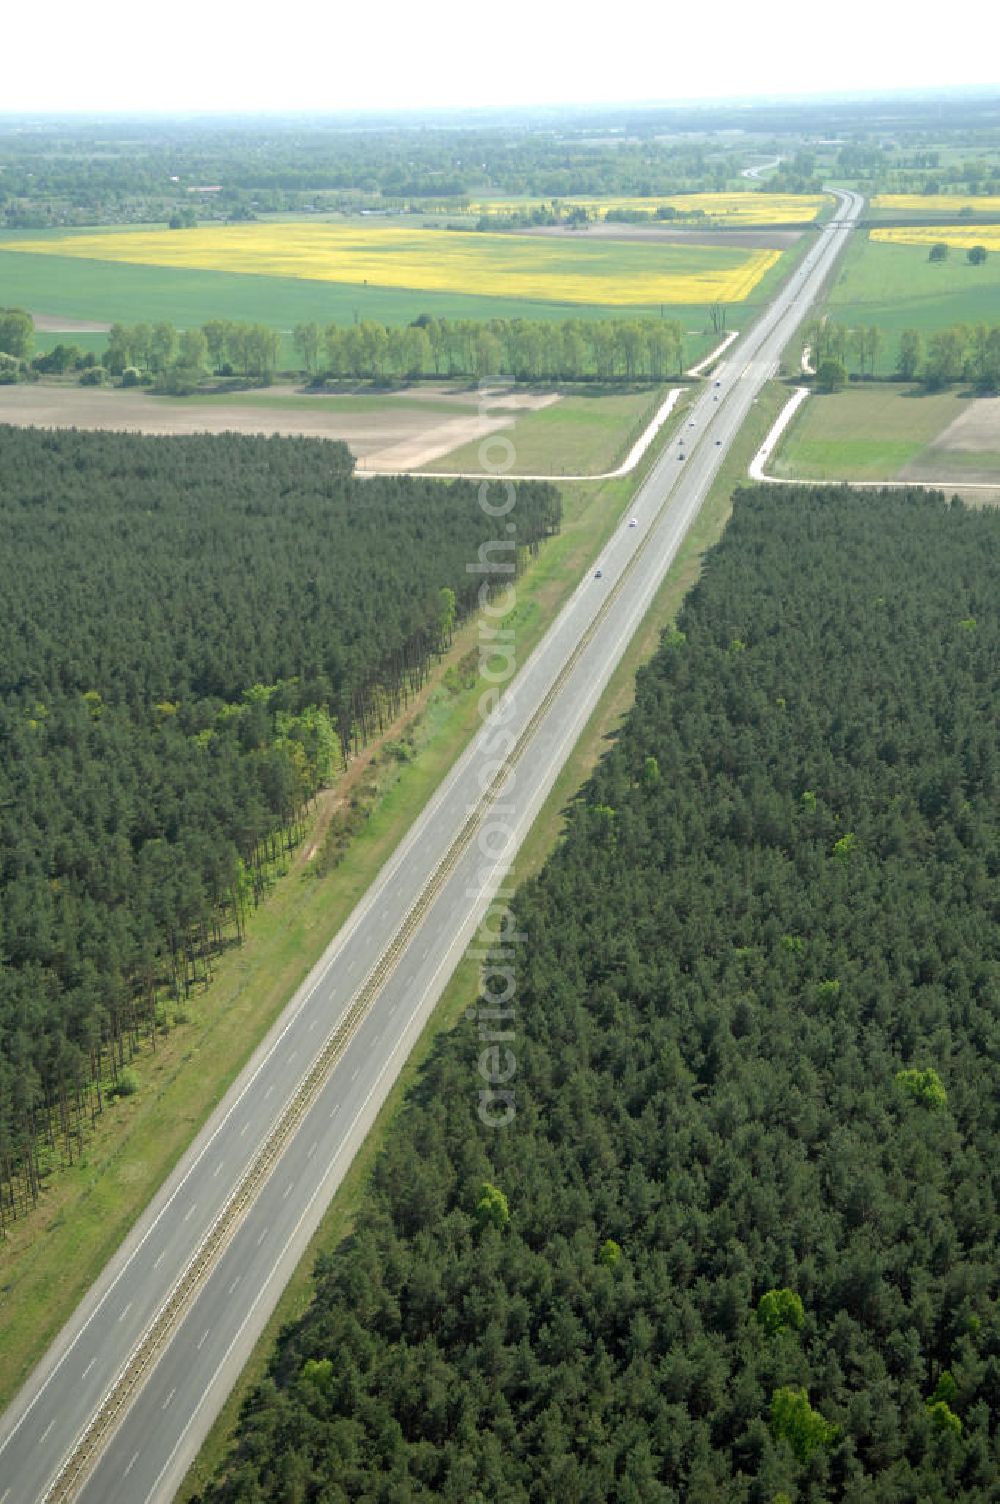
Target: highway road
[[118, 1408]]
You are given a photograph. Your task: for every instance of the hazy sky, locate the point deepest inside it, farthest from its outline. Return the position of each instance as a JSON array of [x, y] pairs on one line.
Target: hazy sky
[[101, 55]]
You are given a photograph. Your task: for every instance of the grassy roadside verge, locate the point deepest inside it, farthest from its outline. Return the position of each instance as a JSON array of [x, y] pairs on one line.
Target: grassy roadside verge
[[50, 1258], [544, 834]]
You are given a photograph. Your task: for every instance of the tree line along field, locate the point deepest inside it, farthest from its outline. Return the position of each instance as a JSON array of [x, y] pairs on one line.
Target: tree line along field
[[747, 208], [195, 633], [739, 1240]]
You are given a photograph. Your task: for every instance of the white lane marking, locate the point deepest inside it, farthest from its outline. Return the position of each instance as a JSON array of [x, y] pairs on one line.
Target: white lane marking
[[135, 1459], [288, 1190], [83, 1376], [218, 1168], [159, 1259], [333, 1114], [245, 1128], [376, 1038], [354, 1073], [48, 1428], [312, 1150], [312, 1026], [235, 1282], [268, 1092], [166, 1402], [262, 1237], [203, 1338], [125, 1311], [293, 1056], [190, 1211], [5, 1496]]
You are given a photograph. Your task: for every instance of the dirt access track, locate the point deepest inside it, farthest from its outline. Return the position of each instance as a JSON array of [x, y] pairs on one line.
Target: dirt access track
[[401, 435]]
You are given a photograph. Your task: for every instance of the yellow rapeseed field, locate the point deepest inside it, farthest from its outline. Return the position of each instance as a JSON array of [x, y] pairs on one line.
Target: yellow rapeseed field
[[496, 266], [936, 203], [724, 208], [963, 237]]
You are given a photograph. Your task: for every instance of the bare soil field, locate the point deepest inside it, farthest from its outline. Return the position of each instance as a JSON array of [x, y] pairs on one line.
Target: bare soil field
[[394, 437], [968, 449], [58, 323], [752, 240]]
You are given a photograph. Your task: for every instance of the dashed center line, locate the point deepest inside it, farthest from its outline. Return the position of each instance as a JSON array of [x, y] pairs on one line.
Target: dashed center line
[[262, 1236], [268, 1092], [354, 1073], [312, 1150], [125, 1311], [190, 1211], [48, 1428], [333, 1114], [135, 1459], [245, 1128], [166, 1402], [203, 1338], [159, 1259], [216, 1172], [288, 1190], [293, 1056], [88, 1368], [235, 1282]]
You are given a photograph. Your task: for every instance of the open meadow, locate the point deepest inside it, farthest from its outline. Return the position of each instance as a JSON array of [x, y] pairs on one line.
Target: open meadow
[[888, 432], [896, 287], [583, 433]]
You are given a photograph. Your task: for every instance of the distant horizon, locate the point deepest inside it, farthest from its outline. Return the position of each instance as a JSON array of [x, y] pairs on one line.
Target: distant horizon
[[527, 109], [225, 59]]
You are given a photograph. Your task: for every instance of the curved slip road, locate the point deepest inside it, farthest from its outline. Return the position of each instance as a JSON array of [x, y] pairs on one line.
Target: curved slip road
[[118, 1408]]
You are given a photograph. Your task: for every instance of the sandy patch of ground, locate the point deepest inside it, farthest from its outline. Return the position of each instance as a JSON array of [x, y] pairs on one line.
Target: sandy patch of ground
[[57, 323], [394, 438], [976, 429], [754, 240], [967, 450], [420, 449]]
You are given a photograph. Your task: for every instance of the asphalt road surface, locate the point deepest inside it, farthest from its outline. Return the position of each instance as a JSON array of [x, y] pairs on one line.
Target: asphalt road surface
[[372, 991]]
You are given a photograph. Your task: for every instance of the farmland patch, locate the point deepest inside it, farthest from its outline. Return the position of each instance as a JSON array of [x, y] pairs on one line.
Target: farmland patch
[[610, 274]]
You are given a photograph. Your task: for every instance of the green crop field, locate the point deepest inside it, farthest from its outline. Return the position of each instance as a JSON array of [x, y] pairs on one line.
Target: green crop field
[[864, 433], [896, 287]]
